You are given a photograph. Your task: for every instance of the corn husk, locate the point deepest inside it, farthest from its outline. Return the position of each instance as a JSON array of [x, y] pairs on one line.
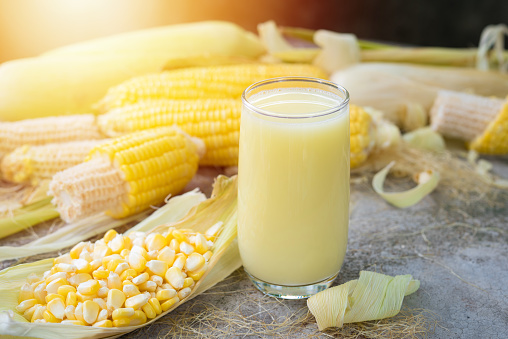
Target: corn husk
[[425, 138], [427, 182], [338, 50], [70, 234], [402, 90], [220, 207], [373, 296]]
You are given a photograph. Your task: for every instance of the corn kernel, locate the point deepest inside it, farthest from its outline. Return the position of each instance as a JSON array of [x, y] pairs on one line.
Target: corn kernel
[[149, 311], [94, 264], [103, 315], [200, 242], [128, 274], [149, 286], [103, 323], [57, 308], [69, 312], [143, 277], [101, 251], [136, 301], [78, 312], [158, 280], [167, 255], [125, 252], [196, 275], [103, 292], [178, 235], [157, 267], [64, 289], [40, 293], [76, 250], [110, 235], [207, 255], [138, 318], [53, 286], [63, 259], [184, 292], [186, 248], [120, 313], [85, 297], [79, 278], [152, 255], [180, 260], [174, 277], [169, 303], [50, 297], [107, 259], [38, 314], [89, 287], [127, 242], [114, 281], [90, 311], [121, 322], [50, 318], [155, 243], [25, 305], [73, 322], [214, 229], [26, 292], [58, 275], [67, 268], [71, 299], [100, 274], [137, 261], [140, 250], [28, 314], [194, 262], [86, 255], [188, 282], [165, 294], [130, 290], [156, 305], [117, 244], [112, 264], [174, 245], [115, 299], [32, 278]]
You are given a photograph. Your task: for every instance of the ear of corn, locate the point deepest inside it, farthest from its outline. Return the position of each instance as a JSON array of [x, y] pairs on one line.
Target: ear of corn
[[47, 130], [480, 121], [31, 164], [216, 121], [200, 82], [224, 261], [127, 174]]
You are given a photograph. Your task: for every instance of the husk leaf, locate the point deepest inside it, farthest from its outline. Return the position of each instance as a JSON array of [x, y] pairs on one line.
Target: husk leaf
[[83, 229], [405, 198], [220, 207], [373, 296]]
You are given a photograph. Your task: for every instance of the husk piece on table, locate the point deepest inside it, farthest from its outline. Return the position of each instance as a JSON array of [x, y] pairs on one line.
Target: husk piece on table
[[225, 260], [70, 234], [373, 296]]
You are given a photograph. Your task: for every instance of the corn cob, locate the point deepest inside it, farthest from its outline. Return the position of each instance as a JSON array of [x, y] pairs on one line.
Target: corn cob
[[127, 174], [480, 121], [215, 121], [200, 82], [47, 130], [119, 280], [31, 164]]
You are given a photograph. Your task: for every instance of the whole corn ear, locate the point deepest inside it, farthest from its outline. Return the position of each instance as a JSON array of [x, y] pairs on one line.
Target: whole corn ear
[[200, 82], [32, 164], [127, 174], [47, 130], [216, 121], [478, 120]]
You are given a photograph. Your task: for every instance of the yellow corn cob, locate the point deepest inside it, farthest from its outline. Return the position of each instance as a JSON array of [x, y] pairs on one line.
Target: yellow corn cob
[[127, 174], [47, 130], [216, 121], [480, 121], [31, 164], [200, 82]]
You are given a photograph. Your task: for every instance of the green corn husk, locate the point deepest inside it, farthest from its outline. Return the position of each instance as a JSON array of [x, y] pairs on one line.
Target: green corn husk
[[175, 209], [225, 259], [373, 296]]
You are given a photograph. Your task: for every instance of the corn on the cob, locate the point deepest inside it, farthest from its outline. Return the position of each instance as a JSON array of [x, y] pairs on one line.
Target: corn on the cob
[[215, 121], [127, 174], [47, 130], [480, 121], [154, 292], [200, 82], [31, 164]]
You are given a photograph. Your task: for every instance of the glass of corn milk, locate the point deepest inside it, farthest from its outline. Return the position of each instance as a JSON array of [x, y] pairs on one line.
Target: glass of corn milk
[[293, 195]]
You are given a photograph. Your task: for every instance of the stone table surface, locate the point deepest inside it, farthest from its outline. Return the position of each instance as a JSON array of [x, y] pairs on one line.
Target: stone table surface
[[457, 248]]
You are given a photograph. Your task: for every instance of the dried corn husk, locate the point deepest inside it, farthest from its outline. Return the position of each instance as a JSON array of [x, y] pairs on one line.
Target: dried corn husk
[[373, 296], [70, 234], [220, 207], [427, 182], [402, 90]]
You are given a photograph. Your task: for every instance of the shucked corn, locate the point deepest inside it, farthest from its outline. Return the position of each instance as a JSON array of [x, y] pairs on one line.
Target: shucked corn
[[119, 280]]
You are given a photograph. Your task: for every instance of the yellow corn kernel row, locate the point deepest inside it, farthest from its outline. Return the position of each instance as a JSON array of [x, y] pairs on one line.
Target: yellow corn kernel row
[[119, 280]]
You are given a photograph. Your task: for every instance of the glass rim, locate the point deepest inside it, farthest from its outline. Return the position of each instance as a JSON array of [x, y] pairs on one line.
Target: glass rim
[[326, 112]]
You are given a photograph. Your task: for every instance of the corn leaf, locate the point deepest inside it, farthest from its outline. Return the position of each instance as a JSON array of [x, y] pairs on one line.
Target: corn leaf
[[88, 227], [373, 296], [220, 207], [409, 197]]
